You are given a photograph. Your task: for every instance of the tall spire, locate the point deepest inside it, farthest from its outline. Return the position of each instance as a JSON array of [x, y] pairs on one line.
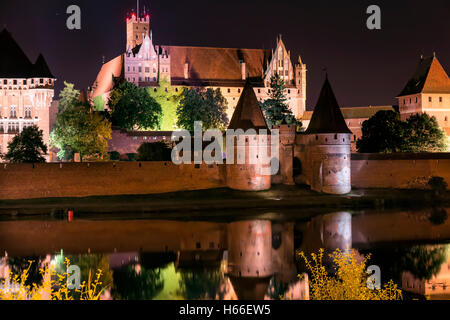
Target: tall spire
[[327, 116], [137, 12]]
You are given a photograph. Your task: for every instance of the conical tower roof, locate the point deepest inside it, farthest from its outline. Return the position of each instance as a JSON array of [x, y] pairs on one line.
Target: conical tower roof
[[430, 77], [41, 69], [248, 113], [327, 116], [13, 61]]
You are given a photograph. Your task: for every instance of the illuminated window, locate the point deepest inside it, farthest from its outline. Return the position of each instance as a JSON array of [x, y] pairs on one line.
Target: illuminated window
[[28, 112], [13, 112]]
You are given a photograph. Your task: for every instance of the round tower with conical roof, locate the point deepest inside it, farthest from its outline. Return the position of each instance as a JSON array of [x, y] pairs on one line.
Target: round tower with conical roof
[[248, 145], [327, 146]]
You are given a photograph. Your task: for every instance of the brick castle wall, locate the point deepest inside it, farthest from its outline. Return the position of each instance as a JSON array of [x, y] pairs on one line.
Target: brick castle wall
[[49, 180], [400, 171]]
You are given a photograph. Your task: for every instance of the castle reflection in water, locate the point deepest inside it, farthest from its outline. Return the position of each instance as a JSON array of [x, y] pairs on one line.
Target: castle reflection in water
[[254, 259]]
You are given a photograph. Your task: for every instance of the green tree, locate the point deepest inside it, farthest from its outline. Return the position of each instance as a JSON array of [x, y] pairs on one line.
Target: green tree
[[275, 109], [386, 133], [68, 96], [27, 147], [131, 285], [424, 134], [99, 103], [133, 108], [382, 133], [155, 151], [169, 99], [79, 129], [200, 284], [208, 106]]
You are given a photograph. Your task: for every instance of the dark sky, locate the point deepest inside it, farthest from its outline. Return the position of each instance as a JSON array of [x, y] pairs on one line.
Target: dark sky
[[365, 67]]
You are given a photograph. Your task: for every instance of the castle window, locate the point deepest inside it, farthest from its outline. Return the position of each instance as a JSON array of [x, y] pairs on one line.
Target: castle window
[[13, 112], [440, 99], [446, 118], [416, 99], [147, 69], [27, 112], [140, 69], [239, 90], [229, 90], [15, 82], [317, 137], [430, 99], [259, 90], [335, 136], [5, 82]]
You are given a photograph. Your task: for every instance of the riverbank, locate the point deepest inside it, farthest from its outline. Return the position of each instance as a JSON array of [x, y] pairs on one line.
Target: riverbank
[[216, 202]]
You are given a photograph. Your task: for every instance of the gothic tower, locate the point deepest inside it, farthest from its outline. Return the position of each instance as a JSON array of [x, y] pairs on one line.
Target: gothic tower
[[248, 167], [137, 27], [327, 141]]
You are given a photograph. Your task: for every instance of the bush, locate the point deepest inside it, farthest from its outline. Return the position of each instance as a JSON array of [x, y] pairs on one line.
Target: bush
[[132, 156], [114, 156], [349, 281], [156, 151], [438, 184]]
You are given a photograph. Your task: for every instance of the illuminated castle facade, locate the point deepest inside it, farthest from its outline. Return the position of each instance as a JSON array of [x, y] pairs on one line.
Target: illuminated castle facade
[[145, 63], [26, 92]]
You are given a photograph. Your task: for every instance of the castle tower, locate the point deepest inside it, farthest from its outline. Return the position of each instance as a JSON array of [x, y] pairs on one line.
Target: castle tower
[[300, 83], [247, 165], [250, 258], [428, 91], [137, 27], [328, 151]]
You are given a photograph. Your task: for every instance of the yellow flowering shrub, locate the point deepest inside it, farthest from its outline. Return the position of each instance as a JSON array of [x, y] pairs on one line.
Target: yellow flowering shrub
[[349, 281], [53, 287]]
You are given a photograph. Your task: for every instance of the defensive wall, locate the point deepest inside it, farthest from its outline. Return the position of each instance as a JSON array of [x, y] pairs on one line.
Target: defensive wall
[[398, 171], [48, 180]]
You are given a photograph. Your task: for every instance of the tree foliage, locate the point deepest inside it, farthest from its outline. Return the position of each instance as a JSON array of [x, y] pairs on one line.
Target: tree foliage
[[68, 96], [168, 98], [275, 109], [208, 106], [27, 147], [385, 132], [99, 103], [424, 134], [133, 108], [155, 151], [79, 129]]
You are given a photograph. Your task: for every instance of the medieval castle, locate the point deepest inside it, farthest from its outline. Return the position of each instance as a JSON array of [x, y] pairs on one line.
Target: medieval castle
[[323, 151]]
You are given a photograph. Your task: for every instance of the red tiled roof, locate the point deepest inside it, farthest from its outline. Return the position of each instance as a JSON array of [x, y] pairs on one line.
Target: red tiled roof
[[104, 82], [216, 63], [430, 77], [207, 66]]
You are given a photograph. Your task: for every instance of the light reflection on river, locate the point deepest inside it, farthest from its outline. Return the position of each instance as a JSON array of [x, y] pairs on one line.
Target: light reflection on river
[[156, 259]]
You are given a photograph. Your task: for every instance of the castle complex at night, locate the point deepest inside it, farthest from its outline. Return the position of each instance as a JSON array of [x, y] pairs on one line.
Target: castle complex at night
[[145, 63]]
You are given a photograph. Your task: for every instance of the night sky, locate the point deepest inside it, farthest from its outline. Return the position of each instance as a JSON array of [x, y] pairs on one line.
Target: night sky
[[365, 67]]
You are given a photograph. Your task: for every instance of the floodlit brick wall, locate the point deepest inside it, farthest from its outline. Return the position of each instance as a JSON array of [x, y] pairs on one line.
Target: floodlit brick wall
[[49, 180], [403, 171]]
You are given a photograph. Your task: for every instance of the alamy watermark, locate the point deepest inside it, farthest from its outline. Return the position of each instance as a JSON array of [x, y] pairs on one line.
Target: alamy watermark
[[242, 147]]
